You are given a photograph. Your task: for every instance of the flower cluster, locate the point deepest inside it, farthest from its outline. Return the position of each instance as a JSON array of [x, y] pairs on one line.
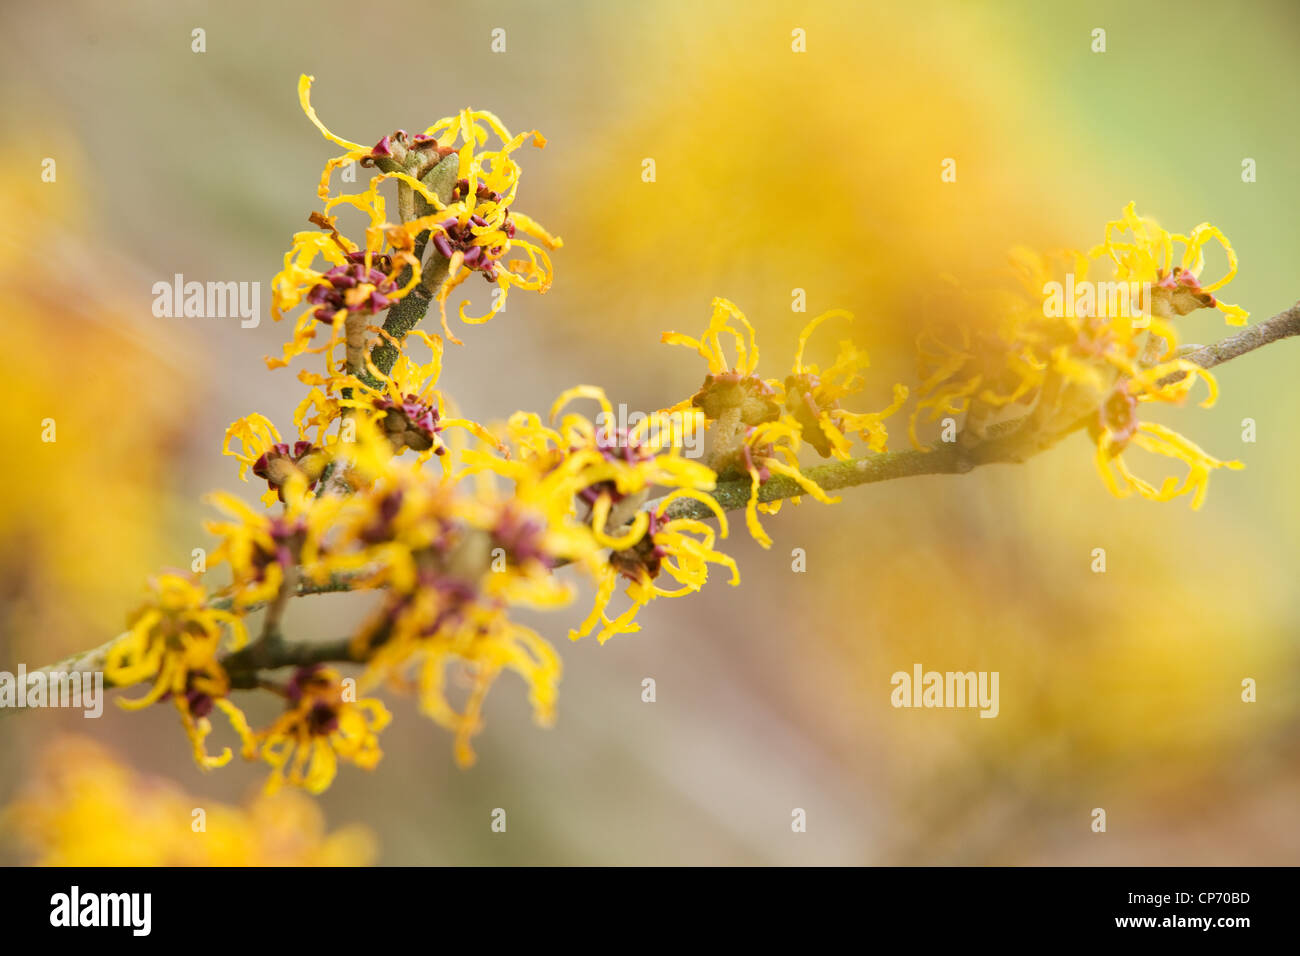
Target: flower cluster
[[453, 553], [599, 479], [456, 194], [174, 640], [85, 808], [1091, 359], [758, 425]]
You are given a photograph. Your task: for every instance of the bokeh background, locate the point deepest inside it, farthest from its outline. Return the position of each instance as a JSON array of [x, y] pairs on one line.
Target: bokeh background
[[775, 171]]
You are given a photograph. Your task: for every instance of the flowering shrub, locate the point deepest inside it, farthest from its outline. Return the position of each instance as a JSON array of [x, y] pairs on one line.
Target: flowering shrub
[[453, 549]]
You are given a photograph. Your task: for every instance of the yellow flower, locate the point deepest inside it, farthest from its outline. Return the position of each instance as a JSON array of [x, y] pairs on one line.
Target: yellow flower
[[731, 394], [323, 724], [84, 808], [476, 229], [1118, 427], [174, 640], [589, 476], [262, 548], [751, 433], [981, 350], [452, 561], [455, 556], [812, 398], [295, 469], [356, 282], [668, 544], [440, 627], [615, 469], [1147, 255], [1119, 360], [768, 449], [407, 407], [709, 345], [1084, 361]]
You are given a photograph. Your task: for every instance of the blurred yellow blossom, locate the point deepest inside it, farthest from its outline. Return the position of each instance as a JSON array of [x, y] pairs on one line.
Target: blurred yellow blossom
[[84, 808]]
